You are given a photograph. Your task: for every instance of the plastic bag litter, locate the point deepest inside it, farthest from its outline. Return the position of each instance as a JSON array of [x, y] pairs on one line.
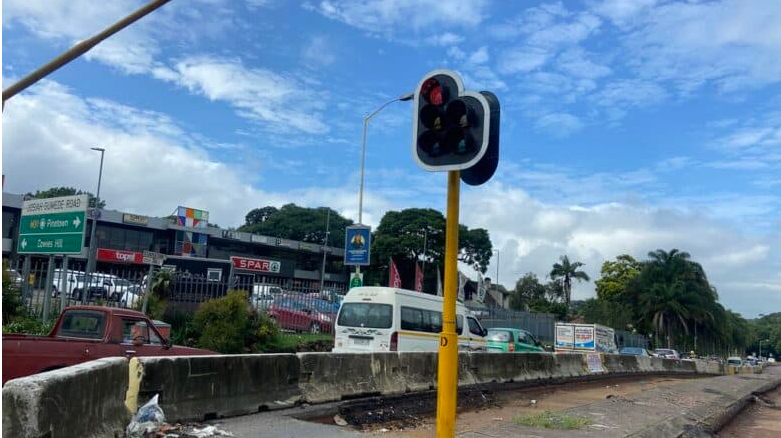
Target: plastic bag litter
[[148, 419], [206, 432]]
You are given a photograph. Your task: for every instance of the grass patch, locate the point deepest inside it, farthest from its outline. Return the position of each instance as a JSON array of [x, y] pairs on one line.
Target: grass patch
[[552, 420]]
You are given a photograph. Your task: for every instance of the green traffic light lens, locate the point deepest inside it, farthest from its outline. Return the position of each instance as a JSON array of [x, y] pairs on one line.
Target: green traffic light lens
[[458, 140]]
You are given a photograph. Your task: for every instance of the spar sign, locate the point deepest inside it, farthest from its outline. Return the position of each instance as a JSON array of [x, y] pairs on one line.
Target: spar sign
[[258, 265]]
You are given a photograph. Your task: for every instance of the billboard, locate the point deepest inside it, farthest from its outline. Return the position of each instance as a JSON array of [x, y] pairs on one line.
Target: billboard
[[357, 245], [584, 337], [565, 336]]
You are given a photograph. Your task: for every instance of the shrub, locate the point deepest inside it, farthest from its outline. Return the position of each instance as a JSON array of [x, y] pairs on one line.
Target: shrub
[[223, 323], [155, 306], [30, 325], [229, 325], [12, 296]]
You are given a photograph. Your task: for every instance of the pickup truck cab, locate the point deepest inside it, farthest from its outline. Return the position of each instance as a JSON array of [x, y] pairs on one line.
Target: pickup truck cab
[[84, 333]]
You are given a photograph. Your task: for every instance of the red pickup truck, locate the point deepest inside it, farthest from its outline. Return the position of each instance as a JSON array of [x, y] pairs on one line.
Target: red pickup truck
[[84, 333]]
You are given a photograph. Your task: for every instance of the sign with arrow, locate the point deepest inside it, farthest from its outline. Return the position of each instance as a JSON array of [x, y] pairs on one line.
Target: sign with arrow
[[53, 225]]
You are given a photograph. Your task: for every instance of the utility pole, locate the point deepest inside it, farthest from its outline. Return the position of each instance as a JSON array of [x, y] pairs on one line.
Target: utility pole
[[93, 247], [425, 242]]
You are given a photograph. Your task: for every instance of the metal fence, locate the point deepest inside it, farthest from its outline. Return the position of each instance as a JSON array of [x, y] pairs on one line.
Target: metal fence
[[541, 325], [629, 339], [297, 306]]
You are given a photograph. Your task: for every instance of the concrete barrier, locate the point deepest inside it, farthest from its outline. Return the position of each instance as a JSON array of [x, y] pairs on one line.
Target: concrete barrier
[[202, 387], [81, 401]]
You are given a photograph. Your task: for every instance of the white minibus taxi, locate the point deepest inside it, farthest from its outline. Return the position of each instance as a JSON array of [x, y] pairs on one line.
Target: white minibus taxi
[[389, 319]]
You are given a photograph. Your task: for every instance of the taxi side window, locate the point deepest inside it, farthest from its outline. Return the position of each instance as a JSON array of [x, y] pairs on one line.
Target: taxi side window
[[523, 338]]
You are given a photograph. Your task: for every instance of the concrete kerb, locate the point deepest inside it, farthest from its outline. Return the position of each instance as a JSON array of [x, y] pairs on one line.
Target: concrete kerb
[[203, 387], [84, 401]]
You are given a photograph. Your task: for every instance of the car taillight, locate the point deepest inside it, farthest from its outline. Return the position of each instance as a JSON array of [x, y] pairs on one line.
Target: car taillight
[[394, 342], [512, 346]]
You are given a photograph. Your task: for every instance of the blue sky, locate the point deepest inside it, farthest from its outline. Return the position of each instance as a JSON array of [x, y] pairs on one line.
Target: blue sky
[[626, 125]]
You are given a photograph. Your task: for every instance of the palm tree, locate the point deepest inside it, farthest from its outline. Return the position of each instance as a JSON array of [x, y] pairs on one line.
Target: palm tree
[[567, 271]]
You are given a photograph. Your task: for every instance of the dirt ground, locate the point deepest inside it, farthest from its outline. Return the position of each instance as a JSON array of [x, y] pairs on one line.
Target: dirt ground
[[757, 421], [521, 402]]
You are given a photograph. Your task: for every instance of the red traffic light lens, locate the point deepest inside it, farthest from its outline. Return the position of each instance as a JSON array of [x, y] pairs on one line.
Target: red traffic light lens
[[433, 92]]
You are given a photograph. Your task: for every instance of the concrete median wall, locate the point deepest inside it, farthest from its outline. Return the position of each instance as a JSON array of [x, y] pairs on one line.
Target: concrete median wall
[[95, 399], [198, 387], [82, 401]]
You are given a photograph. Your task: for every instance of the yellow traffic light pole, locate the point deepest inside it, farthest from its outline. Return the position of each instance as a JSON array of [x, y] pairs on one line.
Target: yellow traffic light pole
[[447, 373]]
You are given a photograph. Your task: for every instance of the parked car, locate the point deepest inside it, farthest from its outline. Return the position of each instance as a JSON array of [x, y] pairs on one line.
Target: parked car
[[262, 301], [511, 339], [771, 360], [634, 351], [295, 315], [70, 281], [16, 277], [667, 353], [84, 333], [104, 286], [735, 361]]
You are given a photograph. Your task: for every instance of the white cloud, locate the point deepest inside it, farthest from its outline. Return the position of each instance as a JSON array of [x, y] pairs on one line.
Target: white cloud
[[731, 43], [629, 93], [257, 94], [318, 52], [456, 53], [623, 12], [543, 32], [531, 235], [389, 17], [445, 39], [480, 56], [559, 124], [146, 153], [576, 63]]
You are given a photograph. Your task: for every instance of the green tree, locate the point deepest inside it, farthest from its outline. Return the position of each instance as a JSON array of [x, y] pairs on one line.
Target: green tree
[[260, 215], [616, 276], [298, 223], [527, 289], [567, 271], [475, 247], [55, 192], [401, 235]]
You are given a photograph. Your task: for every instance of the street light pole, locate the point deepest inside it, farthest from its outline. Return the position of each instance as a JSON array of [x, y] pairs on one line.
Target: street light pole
[[92, 247], [325, 248], [366, 119], [497, 268]]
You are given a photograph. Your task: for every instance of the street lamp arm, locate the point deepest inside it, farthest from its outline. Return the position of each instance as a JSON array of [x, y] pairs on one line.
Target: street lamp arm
[[401, 98]]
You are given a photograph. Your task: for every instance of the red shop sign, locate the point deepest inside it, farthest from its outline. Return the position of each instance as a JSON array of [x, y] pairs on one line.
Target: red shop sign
[[118, 256], [259, 265]]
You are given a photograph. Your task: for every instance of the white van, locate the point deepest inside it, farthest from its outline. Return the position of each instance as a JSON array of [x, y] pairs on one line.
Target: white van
[[390, 319]]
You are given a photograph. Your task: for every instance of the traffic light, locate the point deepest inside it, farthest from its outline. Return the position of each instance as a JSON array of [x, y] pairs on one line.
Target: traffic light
[[455, 129]]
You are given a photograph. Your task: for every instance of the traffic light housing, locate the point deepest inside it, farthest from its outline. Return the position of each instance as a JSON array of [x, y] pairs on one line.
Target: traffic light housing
[[455, 129]]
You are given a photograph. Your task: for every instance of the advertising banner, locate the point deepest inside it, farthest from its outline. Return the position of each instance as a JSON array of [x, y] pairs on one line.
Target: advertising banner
[[584, 337], [357, 245], [565, 336]]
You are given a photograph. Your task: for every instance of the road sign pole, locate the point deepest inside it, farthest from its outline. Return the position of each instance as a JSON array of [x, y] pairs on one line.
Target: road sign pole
[[447, 376], [47, 290], [64, 284], [26, 277]]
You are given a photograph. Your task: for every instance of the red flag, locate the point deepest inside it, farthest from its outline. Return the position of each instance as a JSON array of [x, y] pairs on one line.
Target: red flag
[[395, 278], [418, 278]]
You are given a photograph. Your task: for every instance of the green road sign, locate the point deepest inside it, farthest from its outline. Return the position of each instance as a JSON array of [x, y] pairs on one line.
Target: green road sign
[[356, 280], [53, 226]]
